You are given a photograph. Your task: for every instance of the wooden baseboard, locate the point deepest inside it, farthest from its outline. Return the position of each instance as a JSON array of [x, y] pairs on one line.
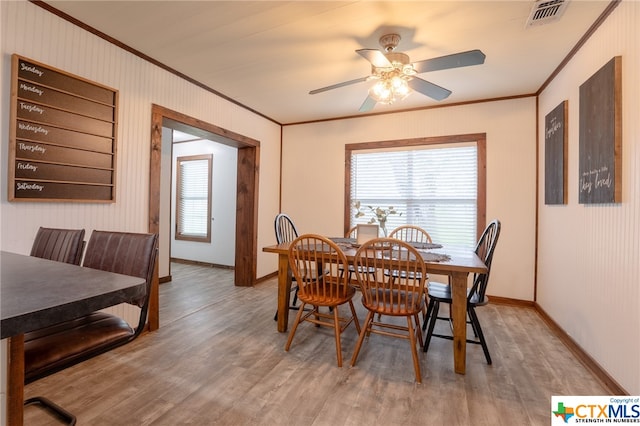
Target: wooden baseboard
[[586, 360], [582, 356], [510, 302], [163, 280], [267, 277], [196, 262]]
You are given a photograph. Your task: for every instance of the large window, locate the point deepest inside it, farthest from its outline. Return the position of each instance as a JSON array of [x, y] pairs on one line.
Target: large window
[[193, 202], [437, 184]]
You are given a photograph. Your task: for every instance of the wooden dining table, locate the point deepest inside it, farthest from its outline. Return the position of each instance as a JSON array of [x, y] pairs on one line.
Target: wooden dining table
[[458, 265], [36, 293]]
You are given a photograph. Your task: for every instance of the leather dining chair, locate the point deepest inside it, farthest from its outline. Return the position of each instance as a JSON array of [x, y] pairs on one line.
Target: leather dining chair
[[309, 255], [54, 348], [61, 245], [65, 344], [391, 297], [439, 293]]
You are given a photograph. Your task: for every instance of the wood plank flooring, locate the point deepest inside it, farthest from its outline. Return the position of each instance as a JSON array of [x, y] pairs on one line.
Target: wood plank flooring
[[217, 359]]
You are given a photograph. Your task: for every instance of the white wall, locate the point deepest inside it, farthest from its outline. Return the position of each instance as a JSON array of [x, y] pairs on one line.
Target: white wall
[[589, 255], [32, 32], [220, 251], [166, 214], [313, 174]]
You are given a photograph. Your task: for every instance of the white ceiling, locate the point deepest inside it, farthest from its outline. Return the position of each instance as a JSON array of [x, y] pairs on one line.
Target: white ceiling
[[268, 55]]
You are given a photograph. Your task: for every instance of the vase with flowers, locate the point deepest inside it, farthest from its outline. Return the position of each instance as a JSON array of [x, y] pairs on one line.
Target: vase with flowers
[[379, 214]]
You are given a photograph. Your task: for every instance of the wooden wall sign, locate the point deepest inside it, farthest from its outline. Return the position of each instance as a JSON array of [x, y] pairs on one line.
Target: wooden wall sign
[[600, 158], [555, 155], [62, 137]]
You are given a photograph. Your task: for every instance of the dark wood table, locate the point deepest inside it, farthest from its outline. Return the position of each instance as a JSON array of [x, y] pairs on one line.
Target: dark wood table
[[458, 267], [36, 293]]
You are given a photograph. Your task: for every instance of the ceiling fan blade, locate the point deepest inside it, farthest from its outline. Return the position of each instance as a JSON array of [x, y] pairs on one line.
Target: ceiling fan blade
[[368, 104], [427, 88], [376, 58], [463, 59], [335, 86]]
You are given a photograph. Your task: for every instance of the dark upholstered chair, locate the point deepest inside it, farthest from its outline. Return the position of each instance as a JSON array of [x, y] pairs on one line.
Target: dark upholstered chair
[[61, 245], [476, 296], [83, 338], [65, 344]]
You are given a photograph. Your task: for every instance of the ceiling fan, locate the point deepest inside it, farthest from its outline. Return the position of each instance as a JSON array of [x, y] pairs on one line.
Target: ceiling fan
[[395, 75]]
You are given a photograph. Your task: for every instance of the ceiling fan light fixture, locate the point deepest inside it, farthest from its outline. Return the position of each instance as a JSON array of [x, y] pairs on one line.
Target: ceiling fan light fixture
[[381, 92], [389, 89], [394, 76], [408, 70], [399, 84]]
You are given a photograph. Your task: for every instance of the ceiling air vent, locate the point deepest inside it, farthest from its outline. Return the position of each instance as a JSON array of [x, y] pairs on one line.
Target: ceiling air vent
[[545, 11]]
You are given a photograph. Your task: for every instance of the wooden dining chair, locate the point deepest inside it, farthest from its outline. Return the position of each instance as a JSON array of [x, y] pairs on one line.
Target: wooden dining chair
[[310, 256], [353, 234], [411, 233], [391, 296], [285, 232], [61, 245], [439, 293]]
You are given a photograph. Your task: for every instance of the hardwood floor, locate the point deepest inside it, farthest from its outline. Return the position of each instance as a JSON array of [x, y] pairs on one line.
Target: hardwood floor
[[218, 359]]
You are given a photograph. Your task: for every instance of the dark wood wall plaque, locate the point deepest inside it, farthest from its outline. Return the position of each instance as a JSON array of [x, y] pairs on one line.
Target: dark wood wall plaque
[[62, 137], [555, 155], [600, 158]]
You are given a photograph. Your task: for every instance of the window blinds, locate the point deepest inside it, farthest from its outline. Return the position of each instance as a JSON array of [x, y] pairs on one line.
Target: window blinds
[[434, 187], [193, 197]]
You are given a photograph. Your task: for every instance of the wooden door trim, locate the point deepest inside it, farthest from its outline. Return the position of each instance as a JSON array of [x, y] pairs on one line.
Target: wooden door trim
[[246, 248]]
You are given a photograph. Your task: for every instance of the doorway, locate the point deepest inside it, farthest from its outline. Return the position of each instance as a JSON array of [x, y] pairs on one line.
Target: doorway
[[202, 205], [246, 192]]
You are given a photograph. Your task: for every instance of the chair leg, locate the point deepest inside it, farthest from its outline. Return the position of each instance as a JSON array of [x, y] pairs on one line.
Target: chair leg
[[424, 309], [354, 315], [418, 331], [295, 326], [476, 322], [50, 406], [472, 322], [428, 315], [414, 350], [336, 327], [295, 300], [363, 332], [432, 322]]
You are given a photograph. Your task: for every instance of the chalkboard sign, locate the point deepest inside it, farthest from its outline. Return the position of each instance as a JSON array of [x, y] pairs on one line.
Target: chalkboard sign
[[62, 137], [555, 155], [600, 145]]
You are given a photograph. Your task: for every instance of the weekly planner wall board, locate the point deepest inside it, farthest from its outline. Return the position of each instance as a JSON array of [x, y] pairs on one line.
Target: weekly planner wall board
[[62, 137], [600, 157]]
